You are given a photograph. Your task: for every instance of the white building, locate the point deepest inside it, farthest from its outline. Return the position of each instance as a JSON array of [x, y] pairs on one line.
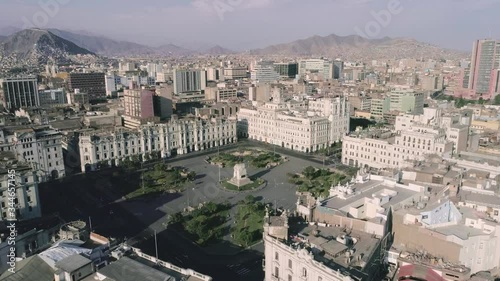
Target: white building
[[319, 252], [189, 80], [20, 177], [322, 67], [175, 137], [264, 72], [415, 136], [39, 146], [305, 126]]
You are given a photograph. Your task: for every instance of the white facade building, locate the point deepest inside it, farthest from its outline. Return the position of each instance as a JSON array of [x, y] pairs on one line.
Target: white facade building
[[414, 137], [41, 147], [176, 137], [18, 176], [305, 126]]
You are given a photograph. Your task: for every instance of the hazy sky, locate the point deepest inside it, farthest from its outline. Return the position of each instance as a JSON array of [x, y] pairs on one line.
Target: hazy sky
[[245, 24]]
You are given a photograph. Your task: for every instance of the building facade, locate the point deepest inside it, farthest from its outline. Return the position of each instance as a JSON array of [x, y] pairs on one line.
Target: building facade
[[189, 80], [306, 126], [20, 92], [20, 177], [94, 84], [53, 98], [175, 137], [287, 69], [41, 147], [139, 107], [485, 59]]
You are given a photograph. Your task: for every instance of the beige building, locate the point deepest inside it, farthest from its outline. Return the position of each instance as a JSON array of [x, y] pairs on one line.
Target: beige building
[[305, 126], [178, 136]]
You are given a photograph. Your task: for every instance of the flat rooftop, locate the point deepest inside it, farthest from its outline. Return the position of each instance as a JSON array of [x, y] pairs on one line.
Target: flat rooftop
[[369, 190]]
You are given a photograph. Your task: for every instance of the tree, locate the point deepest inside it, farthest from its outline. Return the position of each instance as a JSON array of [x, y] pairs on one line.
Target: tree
[[309, 172], [496, 101], [249, 199], [176, 218], [460, 103], [191, 176]]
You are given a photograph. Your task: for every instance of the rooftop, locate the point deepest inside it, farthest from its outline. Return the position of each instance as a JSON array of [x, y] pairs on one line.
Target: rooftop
[[72, 263], [348, 251]]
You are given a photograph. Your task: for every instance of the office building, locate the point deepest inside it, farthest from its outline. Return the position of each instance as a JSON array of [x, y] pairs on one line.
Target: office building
[[78, 98], [264, 72], [322, 67], [164, 100], [153, 69], [20, 176], [139, 107], [178, 136], [94, 84], [20, 92], [235, 72], [380, 104], [485, 59], [362, 103], [189, 80], [112, 82], [338, 69], [53, 98], [287, 69], [407, 101]]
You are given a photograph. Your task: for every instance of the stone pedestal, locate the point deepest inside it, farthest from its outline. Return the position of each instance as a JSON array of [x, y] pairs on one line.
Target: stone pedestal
[[240, 177]]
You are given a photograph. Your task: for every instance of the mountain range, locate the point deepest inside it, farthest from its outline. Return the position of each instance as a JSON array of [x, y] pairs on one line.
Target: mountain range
[[38, 46], [356, 47], [32, 47]]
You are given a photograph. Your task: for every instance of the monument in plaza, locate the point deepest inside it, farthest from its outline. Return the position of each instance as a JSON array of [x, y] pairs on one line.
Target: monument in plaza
[[240, 177]]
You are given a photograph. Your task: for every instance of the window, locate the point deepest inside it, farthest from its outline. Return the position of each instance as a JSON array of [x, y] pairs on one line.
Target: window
[[290, 277], [276, 256], [320, 279], [304, 272], [290, 264], [276, 272]]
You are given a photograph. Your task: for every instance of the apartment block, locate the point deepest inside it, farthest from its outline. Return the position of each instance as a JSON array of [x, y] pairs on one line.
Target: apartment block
[[178, 136], [139, 107]]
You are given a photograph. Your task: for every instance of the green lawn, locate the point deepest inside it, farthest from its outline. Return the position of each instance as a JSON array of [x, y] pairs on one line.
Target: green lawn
[[256, 183]]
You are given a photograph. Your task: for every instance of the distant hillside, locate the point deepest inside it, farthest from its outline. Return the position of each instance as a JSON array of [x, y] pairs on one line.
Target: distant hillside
[[104, 46], [357, 47], [37, 46], [217, 50], [108, 47], [2, 38]]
